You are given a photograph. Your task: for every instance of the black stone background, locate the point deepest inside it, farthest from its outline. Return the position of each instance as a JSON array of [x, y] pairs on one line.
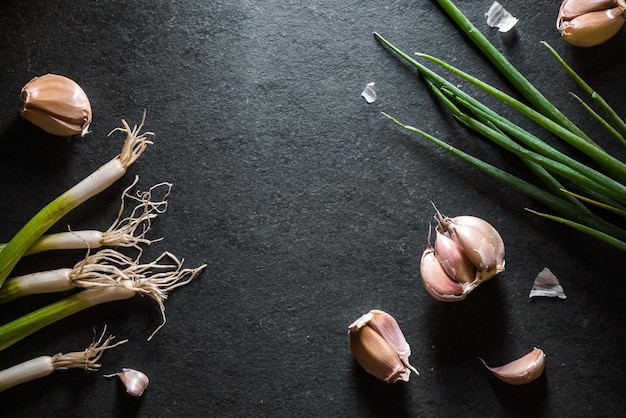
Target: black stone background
[[308, 207]]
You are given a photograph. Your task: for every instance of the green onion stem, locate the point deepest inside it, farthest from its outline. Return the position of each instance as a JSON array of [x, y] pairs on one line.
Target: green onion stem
[[556, 161], [30, 323], [609, 239], [600, 119], [601, 157]]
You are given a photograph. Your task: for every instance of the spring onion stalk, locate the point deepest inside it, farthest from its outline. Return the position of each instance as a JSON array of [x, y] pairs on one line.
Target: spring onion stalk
[[45, 365], [125, 231], [154, 279], [571, 184], [105, 176], [599, 118], [609, 239], [601, 157], [106, 267]]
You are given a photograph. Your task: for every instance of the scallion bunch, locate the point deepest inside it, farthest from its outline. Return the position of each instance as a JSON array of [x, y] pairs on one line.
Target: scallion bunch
[[104, 276], [589, 197]]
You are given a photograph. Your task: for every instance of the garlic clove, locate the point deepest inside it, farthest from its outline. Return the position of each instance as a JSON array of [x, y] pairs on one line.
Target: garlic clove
[[378, 345], [133, 380], [388, 328], [521, 371], [481, 242], [56, 104], [572, 8], [593, 28], [453, 259], [437, 282]]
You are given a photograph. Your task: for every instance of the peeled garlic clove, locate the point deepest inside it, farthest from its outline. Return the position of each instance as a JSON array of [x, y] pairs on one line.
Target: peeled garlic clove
[[453, 259], [379, 346], [437, 282], [593, 28], [56, 104], [521, 371], [134, 381]]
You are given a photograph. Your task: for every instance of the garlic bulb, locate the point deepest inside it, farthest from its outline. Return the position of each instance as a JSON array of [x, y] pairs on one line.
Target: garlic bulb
[[587, 23], [57, 105], [468, 251], [379, 346], [134, 381], [521, 371]]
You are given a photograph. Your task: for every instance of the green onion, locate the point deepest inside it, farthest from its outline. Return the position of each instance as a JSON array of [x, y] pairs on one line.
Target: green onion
[[45, 365], [109, 284]]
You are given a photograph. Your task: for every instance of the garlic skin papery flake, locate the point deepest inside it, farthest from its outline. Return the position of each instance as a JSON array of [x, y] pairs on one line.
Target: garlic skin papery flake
[[521, 371], [546, 284], [480, 241], [56, 104], [587, 23], [133, 380], [369, 94], [378, 345], [498, 17]]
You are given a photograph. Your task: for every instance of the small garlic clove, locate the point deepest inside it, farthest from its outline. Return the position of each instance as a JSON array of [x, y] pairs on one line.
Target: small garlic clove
[[378, 345], [388, 328], [593, 28], [453, 259], [481, 242], [521, 371], [133, 380], [437, 282], [56, 104]]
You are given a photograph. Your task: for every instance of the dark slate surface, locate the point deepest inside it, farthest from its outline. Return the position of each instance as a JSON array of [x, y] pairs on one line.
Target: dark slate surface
[[309, 208]]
